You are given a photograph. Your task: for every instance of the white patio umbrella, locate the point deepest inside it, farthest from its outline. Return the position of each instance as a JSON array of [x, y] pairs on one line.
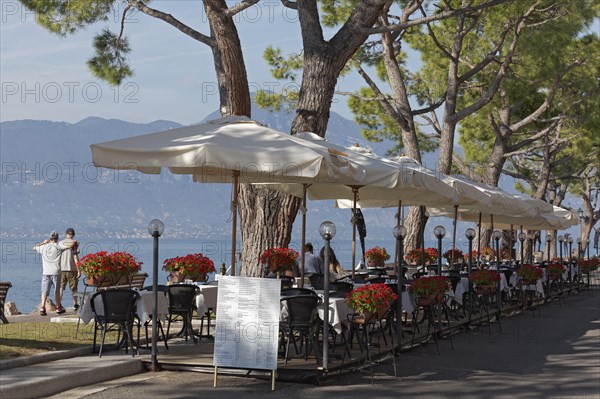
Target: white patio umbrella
[[232, 149], [468, 195], [384, 179], [508, 210], [558, 219]]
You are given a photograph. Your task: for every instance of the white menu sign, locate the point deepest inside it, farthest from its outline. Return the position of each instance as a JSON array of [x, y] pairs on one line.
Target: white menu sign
[[247, 323]]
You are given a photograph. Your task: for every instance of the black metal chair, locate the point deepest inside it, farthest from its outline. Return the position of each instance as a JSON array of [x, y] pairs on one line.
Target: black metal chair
[[114, 312], [181, 306], [297, 291], [419, 275], [360, 278], [4, 287], [286, 282], [377, 280], [300, 323], [342, 286], [317, 281]]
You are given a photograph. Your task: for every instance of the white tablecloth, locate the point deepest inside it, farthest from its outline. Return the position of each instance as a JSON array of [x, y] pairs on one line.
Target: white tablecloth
[[207, 299], [143, 307], [338, 313]]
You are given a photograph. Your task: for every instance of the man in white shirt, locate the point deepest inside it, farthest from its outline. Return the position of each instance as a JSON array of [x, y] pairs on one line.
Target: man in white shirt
[[51, 251]]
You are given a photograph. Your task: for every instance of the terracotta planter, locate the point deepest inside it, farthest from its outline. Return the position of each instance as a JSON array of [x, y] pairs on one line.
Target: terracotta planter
[[426, 300], [373, 263], [108, 281], [99, 281], [554, 277], [178, 277], [485, 289], [369, 317]]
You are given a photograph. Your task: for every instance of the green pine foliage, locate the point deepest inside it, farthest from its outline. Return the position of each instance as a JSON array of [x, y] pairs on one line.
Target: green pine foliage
[[110, 63], [65, 17]]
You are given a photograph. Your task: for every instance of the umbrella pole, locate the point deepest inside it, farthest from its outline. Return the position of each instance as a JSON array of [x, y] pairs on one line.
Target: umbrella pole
[[510, 242], [454, 235], [479, 240], [422, 214], [303, 235], [398, 223], [234, 205], [355, 195]]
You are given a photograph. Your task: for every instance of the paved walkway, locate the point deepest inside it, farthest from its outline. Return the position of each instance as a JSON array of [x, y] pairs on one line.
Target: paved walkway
[[552, 355]]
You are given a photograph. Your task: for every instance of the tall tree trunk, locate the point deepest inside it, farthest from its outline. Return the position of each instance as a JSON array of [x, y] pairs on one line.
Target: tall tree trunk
[[264, 223], [590, 218], [414, 221], [230, 68], [413, 224]]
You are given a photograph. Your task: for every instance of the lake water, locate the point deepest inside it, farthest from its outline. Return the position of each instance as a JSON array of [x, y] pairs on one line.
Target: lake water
[[23, 267]]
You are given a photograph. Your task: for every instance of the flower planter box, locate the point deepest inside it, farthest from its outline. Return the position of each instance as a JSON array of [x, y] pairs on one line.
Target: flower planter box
[[108, 281], [179, 277]]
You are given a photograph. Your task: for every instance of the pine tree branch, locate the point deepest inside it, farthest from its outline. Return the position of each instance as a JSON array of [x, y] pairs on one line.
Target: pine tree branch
[[491, 55], [389, 108], [515, 148], [465, 169], [502, 71], [435, 17], [171, 20], [239, 7], [125, 10], [431, 107]]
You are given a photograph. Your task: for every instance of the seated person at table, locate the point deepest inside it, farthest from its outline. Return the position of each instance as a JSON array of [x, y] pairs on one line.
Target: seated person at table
[[312, 264], [336, 271]]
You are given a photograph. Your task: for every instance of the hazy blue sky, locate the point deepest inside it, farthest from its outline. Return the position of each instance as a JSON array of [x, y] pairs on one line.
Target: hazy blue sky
[[44, 76]]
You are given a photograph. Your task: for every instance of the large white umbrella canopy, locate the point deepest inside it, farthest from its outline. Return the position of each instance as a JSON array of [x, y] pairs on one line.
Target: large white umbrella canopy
[[384, 179], [231, 149], [220, 149], [468, 195], [559, 219], [424, 181], [500, 202]]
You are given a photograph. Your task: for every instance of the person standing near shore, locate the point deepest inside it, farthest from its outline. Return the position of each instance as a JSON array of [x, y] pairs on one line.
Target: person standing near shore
[[51, 252], [68, 267]]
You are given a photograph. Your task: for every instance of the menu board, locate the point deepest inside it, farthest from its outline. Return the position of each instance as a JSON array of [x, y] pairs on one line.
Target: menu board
[[247, 325]]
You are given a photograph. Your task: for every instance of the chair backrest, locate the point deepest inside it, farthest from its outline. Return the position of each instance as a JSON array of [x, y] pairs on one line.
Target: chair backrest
[[4, 286], [297, 291], [454, 280], [317, 281], [286, 281], [341, 286], [507, 275], [181, 297], [378, 272], [118, 304], [419, 274], [394, 287], [301, 309], [360, 278], [377, 280]]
